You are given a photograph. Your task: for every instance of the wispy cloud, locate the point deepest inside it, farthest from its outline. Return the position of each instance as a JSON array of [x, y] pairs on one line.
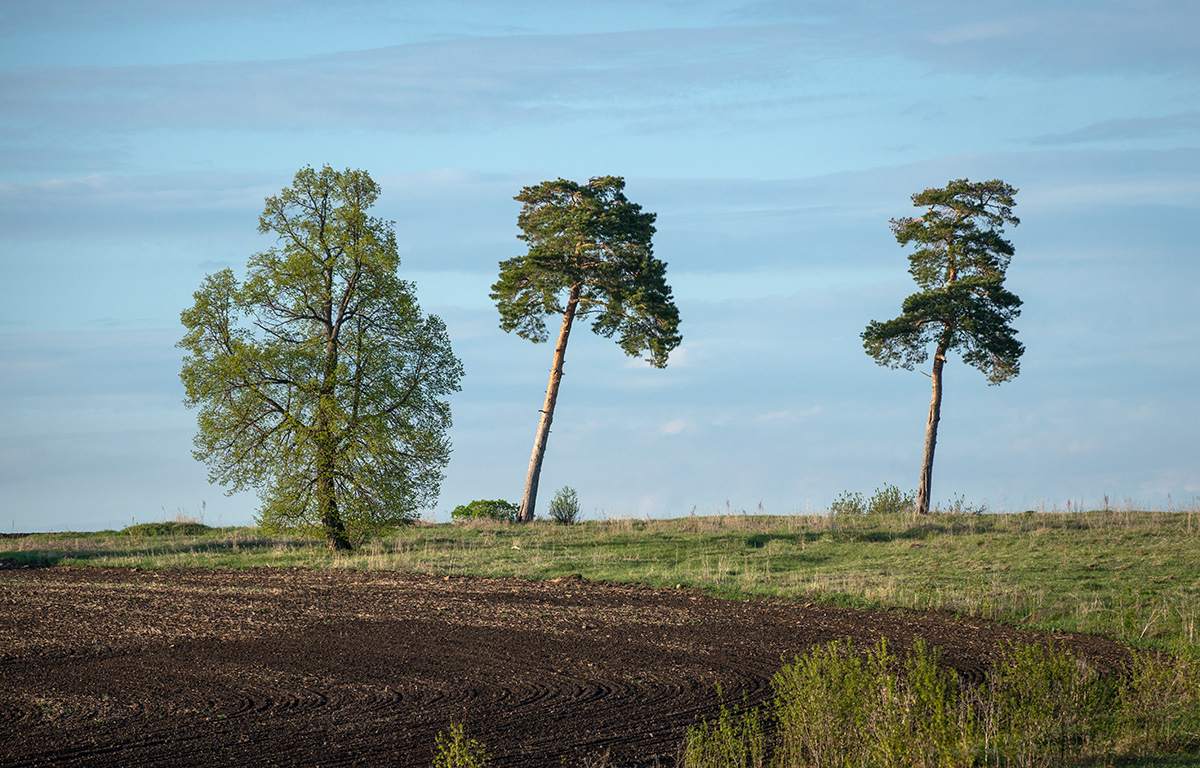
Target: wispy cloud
[[1183, 125]]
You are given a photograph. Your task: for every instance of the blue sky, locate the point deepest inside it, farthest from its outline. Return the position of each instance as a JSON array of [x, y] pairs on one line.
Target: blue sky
[[773, 139]]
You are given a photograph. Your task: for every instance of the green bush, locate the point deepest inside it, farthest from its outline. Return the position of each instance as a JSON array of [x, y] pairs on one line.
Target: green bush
[[890, 500], [564, 507], [170, 528], [457, 750], [483, 509], [848, 504], [733, 741]]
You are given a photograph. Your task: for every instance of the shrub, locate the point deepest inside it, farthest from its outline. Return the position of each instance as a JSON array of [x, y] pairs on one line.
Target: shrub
[[731, 742], [890, 500], [170, 528], [848, 504], [459, 751], [483, 509], [564, 507]]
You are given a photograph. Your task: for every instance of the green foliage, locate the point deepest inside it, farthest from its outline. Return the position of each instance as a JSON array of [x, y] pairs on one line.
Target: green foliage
[[960, 268], [458, 750], [564, 506], [483, 509], [318, 380], [1042, 705], [838, 707], [1038, 706], [168, 528], [890, 500], [591, 237], [732, 741], [1159, 709], [848, 504], [835, 708], [820, 709]]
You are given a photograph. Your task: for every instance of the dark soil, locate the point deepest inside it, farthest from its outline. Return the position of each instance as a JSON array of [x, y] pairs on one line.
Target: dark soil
[[291, 667]]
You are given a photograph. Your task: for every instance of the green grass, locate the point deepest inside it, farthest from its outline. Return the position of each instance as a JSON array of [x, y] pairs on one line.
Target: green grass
[[1126, 574]]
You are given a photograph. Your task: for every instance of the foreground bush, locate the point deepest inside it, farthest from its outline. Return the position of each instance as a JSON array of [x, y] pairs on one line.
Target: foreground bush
[[1041, 706], [457, 750]]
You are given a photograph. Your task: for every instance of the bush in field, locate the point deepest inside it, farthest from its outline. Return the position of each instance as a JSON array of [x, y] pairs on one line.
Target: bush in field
[[1041, 705], [483, 509], [837, 707], [848, 504], [834, 707], [890, 500], [169, 528], [733, 741], [457, 750], [564, 507]]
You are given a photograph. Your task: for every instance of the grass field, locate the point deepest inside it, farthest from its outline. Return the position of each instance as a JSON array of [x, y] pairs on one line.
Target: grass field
[[1132, 575]]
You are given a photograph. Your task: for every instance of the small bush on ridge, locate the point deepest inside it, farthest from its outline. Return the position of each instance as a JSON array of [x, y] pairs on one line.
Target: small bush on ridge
[[848, 504], [564, 506], [483, 509], [890, 500]]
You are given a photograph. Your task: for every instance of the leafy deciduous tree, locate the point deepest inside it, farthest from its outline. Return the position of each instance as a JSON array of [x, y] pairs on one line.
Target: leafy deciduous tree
[[318, 380], [589, 255], [960, 265]]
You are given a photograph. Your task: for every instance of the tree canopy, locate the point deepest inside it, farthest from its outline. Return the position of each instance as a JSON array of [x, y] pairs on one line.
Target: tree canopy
[[319, 382], [590, 255], [960, 263]]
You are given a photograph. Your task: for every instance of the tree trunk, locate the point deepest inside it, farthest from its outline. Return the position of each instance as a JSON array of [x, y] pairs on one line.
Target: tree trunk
[[935, 413], [529, 500], [335, 529]]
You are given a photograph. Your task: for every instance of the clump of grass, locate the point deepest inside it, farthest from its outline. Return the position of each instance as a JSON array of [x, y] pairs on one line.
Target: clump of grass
[[457, 750]]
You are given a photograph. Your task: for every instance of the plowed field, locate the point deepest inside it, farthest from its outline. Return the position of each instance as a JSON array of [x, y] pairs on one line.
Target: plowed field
[[291, 667]]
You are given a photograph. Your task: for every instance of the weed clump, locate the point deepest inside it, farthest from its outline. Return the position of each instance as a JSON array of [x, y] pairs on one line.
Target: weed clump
[[457, 750]]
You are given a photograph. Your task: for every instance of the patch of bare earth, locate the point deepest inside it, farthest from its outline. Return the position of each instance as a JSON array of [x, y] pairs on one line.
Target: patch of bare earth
[[291, 667]]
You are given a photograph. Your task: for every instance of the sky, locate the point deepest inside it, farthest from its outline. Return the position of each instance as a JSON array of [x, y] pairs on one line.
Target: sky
[[774, 140]]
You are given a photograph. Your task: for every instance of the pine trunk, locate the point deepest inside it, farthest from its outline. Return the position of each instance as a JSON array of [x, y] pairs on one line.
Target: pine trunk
[[935, 412], [529, 500]]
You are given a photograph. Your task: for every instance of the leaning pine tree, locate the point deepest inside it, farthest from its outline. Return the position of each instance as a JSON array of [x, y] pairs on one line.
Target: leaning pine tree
[[960, 265], [589, 255], [318, 380]]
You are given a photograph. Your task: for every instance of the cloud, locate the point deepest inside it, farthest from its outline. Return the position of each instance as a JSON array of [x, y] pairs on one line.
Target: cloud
[[1016, 36], [1183, 125], [787, 416], [676, 427], [455, 85]]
